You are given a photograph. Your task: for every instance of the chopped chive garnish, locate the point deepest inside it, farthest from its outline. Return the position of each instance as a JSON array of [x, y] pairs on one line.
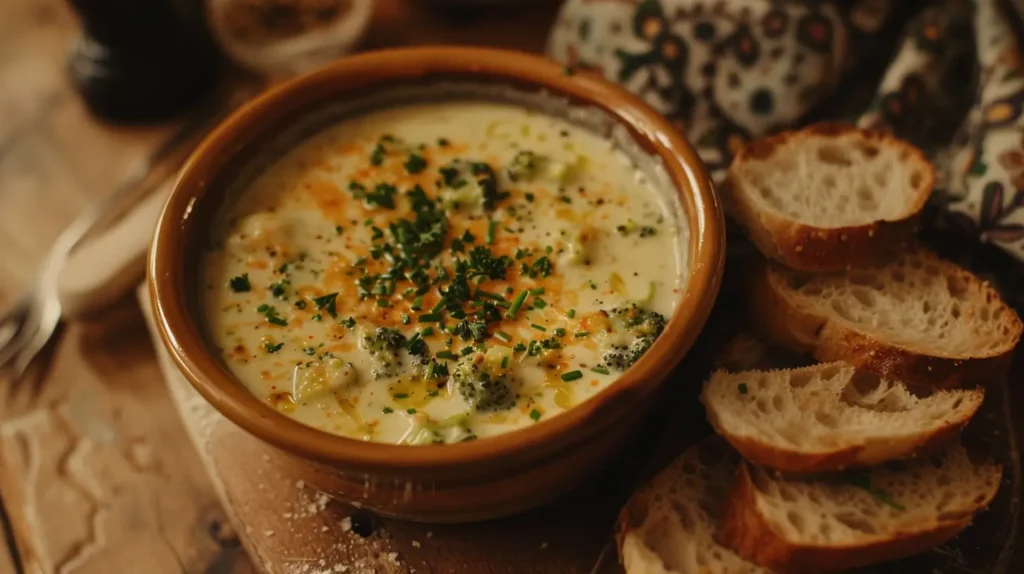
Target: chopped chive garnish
[[519, 348], [538, 327], [601, 370], [411, 411], [429, 318], [432, 393], [405, 319], [535, 415], [401, 395], [572, 376], [580, 334], [388, 410], [539, 303], [491, 228], [489, 295], [516, 304], [427, 331], [504, 362], [571, 313], [417, 304], [437, 306], [466, 350], [537, 291], [383, 303], [559, 332], [262, 308], [446, 355], [503, 336]]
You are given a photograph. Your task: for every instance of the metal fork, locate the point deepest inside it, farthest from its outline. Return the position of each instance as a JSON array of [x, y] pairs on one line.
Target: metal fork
[[31, 323]]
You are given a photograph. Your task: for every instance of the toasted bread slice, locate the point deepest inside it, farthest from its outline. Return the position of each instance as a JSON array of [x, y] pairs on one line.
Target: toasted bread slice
[[829, 417], [828, 196], [860, 518], [669, 526], [918, 319]]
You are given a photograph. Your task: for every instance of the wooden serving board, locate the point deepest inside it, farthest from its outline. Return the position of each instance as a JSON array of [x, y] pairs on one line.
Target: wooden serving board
[[286, 526]]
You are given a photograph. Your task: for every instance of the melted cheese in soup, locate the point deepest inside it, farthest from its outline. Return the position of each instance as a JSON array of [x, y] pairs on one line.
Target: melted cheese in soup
[[441, 272]]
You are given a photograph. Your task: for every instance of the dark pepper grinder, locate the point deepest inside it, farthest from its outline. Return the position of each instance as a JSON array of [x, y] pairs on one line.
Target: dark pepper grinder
[[142, 60]]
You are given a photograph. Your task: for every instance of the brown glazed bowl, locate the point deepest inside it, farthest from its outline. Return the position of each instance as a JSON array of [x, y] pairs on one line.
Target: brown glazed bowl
[[462, 482]]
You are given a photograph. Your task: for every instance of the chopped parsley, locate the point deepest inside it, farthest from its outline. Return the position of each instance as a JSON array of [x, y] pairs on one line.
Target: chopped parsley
[[388, 410], [327, 303], [415, 163], [377, 155], [601, 370], [272, 348], [540, 268], [240, 284], [280, 289], [270, 313]]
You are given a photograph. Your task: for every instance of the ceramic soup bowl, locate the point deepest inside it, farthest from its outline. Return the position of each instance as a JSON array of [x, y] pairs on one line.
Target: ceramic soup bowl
[[466, 481]]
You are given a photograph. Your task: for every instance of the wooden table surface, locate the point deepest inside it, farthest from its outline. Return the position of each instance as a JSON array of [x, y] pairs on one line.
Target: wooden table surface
[[96, 471]]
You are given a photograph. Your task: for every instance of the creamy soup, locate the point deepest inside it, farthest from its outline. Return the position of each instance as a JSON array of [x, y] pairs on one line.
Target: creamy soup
[[441, 272]]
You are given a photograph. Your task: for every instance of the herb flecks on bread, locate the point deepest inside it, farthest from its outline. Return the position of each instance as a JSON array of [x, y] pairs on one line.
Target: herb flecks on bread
[[828, 196]]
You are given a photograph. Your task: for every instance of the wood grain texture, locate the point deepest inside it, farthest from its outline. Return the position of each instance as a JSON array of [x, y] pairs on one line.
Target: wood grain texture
[[96, 468]]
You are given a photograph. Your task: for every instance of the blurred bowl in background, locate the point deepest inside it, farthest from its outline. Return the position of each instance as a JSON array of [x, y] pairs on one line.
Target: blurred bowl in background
[[283, 38]]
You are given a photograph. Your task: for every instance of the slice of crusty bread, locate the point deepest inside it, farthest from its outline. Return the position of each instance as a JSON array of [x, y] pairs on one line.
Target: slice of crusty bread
[[669, 526], [918, 319], [829, 417], [828, 196], [861, 518]]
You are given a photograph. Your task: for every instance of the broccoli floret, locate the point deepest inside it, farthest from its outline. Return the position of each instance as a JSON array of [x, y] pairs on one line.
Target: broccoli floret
[[387, 347], [525, 166], [468, 185], [485, 381], [636, 329]]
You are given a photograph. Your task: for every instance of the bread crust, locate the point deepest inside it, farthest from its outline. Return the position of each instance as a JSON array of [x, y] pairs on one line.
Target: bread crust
[[811, 248], [746, 530], [829, 340]]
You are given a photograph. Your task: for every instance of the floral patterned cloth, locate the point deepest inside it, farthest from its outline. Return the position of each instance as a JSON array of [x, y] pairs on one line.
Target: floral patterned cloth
[[946, 75]]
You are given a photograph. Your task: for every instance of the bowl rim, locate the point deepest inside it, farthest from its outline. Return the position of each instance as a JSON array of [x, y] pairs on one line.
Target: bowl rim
[[184, 340]]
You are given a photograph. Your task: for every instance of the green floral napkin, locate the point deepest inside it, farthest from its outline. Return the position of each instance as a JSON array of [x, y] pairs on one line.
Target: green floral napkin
[[946, 75]]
